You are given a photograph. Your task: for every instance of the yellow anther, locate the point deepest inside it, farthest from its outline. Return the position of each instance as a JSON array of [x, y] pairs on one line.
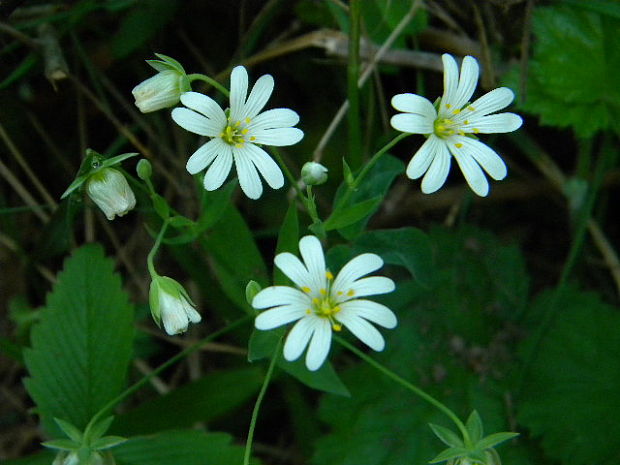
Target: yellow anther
[[448, 106], [470, 108], [466, 122], [252, 138], [245, 131], [461, 133], [308, 311], [458, 145], [248, 121], [337, 327], [306, 289], [329, 275], [456, 112], [239, 145], [351, 293], [476, 131], [339, 292], [238, 123], [316, 301], [336, 309], [323, 291]]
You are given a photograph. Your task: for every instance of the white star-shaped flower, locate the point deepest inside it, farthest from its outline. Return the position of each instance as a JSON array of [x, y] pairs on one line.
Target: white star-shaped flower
[[235, 134], [449, 128], [321, 303]]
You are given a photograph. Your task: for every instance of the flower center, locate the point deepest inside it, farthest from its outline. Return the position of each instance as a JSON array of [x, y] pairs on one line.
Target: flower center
[[445, 127], [325, 306], [235, 133]]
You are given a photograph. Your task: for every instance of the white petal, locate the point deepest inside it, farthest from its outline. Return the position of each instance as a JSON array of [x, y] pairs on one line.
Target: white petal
[[467, 82], [203, 157], [486, 157], [279, 316], [280, 295], [238, 92], [266, 166], [319, 345], [312, 254], [298, 338], [278, 137], [219, 169], [372, 285], [490, 102], [196, 123], [438, 171], [364, 331], [419, 163], [450, 79], [502, 122], [371, 311], [249, 180], [276, 118], [354, 270], [471, 170], [205, 105], [292, 267], [192, 314], [414, 124], [258, 96], [412, 103]]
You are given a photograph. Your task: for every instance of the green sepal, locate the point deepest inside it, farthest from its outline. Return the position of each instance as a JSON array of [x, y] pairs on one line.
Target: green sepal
[[71, 431], [447, 436], [154, 301], [97, 430], [450, 453], [348, 175], [478, 456], [474, 427], [62, 444], [251, 289], [494, 439], [181, 222], [107, 442], [165, 63], [108, 162], [161, 206]]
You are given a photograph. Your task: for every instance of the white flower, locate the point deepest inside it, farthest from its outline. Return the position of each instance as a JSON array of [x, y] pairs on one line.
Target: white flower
[[313, 173], [447, 128], [322, 303], [171, 305], [160, 91], [236, 133], [109, 189]]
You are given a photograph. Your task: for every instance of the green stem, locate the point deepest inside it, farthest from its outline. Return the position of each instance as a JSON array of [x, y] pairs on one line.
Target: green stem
[[407, 385], [368, 166], [259, 401], [353, 115], [288, 174], [136, 386], [153, 252], [210, 81]]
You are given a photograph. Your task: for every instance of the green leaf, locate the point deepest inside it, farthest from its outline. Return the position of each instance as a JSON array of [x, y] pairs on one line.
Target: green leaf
[[606, 7], [118, 159], [71, 431], [62, 444], [40, 458], [188, 447], [346, 216], [474, 427], [408, 247], [99, 428], [569, 78], [107, 442], [323, 379], [451, 453], [570, 396], [447, 436], [495, 439], [82, 346], [204, 400], [288, 241], [263, 343]]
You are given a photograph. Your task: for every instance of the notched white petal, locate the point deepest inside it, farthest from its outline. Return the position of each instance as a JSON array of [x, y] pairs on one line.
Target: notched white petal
[[203, 157], [246, 172], [371, 311], [319, 345], [414, 124], [280, 295], [195, 122], [471, 170], [278, 137], [274, 119], [437, 173], [416, 104], [364, 331], [421, 161], [258, 96], [298, 338], [266, 166], [278, 316], [219, 169]]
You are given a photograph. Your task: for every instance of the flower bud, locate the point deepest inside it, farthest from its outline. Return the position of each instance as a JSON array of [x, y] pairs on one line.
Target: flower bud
[[109, 189], [313, 173], [171, 305], [144, 169], [160, 91]]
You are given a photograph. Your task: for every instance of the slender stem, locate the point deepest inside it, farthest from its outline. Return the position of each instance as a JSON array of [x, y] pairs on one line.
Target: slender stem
[[136, 386], [153, 252], [406, 384], [353, 116], [259, 401], [368, 166], [288, 174], [210, 81]]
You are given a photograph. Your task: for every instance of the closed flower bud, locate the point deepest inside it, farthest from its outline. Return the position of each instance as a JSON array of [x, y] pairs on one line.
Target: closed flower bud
[[313, 173], [109, 189], [160, 91], [171, 305]]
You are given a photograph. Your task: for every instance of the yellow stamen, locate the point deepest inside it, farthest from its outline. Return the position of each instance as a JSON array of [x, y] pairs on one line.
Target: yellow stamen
[[339, 292], [466, 122], [448, 106], [329, 275], [337, 327], [476, 131], [316, 301], [306, 289], [470, 108], [248, 121], [323, 291], [456, 112], [252, 138], [245, 131], [351, 293], [308, 311], [238, 123], [458, 145]]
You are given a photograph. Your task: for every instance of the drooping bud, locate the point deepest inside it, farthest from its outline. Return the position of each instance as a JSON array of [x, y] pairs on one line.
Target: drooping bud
[[313, 173], [160, 91], [171, 305], [144, 169], [109, 189]]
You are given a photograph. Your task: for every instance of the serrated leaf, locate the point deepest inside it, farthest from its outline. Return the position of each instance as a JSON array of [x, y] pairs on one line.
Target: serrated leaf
[[408, 247], [451, 453], [345, 216], [494, 439], [570, 396], [187, 447], [569, 78], [204, 400], [474, 427], [82, 346], [324, 379], [447, 436]]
